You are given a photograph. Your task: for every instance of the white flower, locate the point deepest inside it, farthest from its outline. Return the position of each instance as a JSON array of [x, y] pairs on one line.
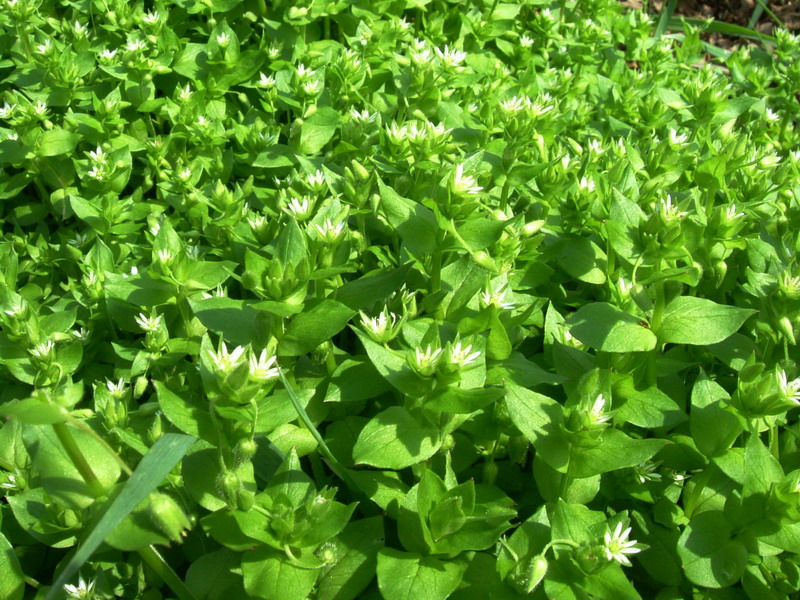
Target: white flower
[[7, 110], [670, 212], [10, 483], [616, 546], [262, 369], [316, 180], [770, 160], [165, 256], [421, 57], [646, 472], [597, 414], [136, 45], [328, 231], [625, 287], [304, 73], [13, 136], [380, 328], [220, 292], [185, 92], [81, 334], [40, 109], [515, 104], [525, 41], [677, 139], [396, 133], [312, 88], [789, 284], [538, 109], [266, 81], [44, 48], [185, 174], [274, 50], [731, 214], [460, 355], [83, 591], [151, 18], [98, 156], [586, 184], [151, 323], [225, 361], [497, 297], [223, 39], [451, 56], [595, 146], [202, 121], [772, 115], [43, 350], [425, 361], [299, 208], [117, 389], [464, 184], [790, 390], [363, 117], [97, 172], [107, 54]]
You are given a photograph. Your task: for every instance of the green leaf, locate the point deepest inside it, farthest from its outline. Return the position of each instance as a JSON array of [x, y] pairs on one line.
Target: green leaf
[[533, 414], [713, 428], [614, 450], [583, 259], [356, 551], [603, 327], [57, 141], [393, 439], [317, 130], [415, 223], [698, 321], [365, 291], [393, 367], [651, 408], [214, 576], [236, 320], [710, 556], [149, 473], [268, 574], [277, 155], [12, 580], [318, 323], [56, 472], [410, 576], [186, 415], [34, 412]]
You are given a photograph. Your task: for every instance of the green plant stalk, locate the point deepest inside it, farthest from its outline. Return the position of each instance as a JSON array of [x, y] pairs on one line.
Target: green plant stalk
[[156, 562], [655, 323], [78, 459]]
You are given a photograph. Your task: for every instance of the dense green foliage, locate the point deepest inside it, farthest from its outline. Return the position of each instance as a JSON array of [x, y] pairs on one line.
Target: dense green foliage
[[412, 300]]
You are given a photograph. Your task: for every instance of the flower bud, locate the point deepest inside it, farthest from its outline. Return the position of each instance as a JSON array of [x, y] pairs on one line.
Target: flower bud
[[229, 485], [168, 516], [140, 387]]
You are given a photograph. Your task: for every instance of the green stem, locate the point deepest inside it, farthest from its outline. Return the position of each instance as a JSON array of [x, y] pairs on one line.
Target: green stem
[[655, 323], [156, 562], [78, 459]]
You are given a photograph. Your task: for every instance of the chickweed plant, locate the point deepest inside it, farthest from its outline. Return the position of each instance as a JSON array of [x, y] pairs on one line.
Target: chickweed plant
[[393, 299]]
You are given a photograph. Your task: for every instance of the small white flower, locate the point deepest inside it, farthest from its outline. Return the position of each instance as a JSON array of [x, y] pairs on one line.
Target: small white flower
[[266, 81], [312, 88], [225, 361], [7, 110], [451, 56], [81, 334], [83, 591], [13, 136], [596, 147], [363, 117], [193, 251], [262, 369], [97, 172], [396, 134], [98, 156], [670, 212], [274, 50], [515, 104], [402, 24], [525, 41], [769, 161], [151, 323], [44, 48], [586, 184], [316, 180], [185, 92], [647, 472], [790, 390], [136, 45], [202, 121], [106, 54], [185, 174], [616, 546], [425, 361], [151, 18], [625, 287], [421, 57], [165, 256], [328, 231], [677, 139], [731, 214], [497, 297], [772, 115], [220, 292], [299, 208], [304, 73], [40, 109], [117, 389], [597, 414], [460, 355], [464, 184], [43, 350], [10, 483], [223, 39], [380, 328]]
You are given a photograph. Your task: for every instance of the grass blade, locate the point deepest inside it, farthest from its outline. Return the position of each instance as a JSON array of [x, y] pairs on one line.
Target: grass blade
[[712, 26], [665, 18], [150, 472], [762, 7]]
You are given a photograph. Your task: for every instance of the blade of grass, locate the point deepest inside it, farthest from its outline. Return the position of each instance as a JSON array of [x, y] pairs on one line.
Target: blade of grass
[[150, 472], [757, 12], [665, 18], [712, 26], [761, 8]]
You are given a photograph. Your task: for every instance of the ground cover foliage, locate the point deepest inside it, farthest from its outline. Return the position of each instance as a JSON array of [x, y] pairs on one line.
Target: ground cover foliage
[[395, 300]]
